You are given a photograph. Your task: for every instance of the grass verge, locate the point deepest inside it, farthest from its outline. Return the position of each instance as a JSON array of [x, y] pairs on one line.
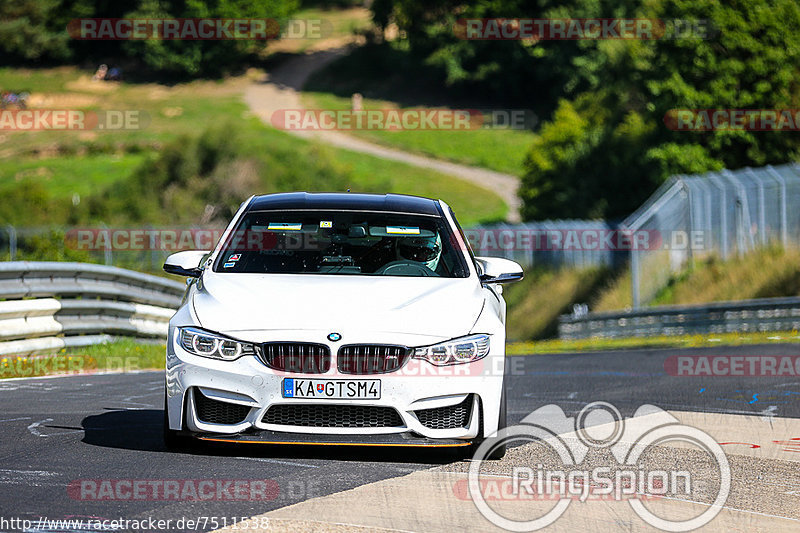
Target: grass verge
[[124, 355], [769, 272], [631, 343], [535, 303]]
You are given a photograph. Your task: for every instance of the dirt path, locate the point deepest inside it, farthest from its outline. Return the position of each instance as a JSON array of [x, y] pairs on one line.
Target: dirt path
[[281, 90]]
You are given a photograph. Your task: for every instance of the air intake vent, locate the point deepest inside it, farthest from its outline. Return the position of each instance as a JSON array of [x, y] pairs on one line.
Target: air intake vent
[[333, 416], [217, 412], [450, 417], [296, 357], [371, 358]]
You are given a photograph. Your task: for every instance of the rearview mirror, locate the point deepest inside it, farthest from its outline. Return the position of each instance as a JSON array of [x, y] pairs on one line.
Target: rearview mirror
[[185, 263], [498, 270]]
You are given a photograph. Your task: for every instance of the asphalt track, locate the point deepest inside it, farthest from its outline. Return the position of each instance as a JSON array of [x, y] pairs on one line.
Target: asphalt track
[[108, 427]]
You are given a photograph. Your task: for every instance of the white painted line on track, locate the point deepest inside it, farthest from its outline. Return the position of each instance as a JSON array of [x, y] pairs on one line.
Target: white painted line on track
[[34, 428], [277, 461]]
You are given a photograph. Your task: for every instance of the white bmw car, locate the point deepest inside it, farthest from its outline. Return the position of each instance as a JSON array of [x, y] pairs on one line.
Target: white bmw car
[[338, 318]]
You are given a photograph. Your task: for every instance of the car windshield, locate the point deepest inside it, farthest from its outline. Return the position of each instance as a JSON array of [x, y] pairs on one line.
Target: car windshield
[[342, 242]]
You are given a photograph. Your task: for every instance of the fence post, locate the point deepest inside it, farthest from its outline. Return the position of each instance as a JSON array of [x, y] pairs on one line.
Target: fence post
[[709, 232], [12, 242], [723, 214], [152, 245], [762, 215], [782, 197], [635, 294], [107, 249], [689, 211]]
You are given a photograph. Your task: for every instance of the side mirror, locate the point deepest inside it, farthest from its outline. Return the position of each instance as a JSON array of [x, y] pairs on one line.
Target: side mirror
[[498, 270], [185, 263]]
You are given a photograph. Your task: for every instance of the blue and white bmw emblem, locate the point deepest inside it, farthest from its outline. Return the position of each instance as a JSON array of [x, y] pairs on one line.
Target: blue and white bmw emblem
[[334, 337]]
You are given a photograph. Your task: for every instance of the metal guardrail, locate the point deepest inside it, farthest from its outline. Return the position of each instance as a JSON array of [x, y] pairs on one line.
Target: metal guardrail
[[765, 314], [46, 306]]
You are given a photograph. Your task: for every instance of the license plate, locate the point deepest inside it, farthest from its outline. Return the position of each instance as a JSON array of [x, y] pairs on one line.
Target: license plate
[[332, 389]]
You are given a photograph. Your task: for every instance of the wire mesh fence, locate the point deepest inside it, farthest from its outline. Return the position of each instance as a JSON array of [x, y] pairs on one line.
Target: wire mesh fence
[[551, 243], [725, 213], [104, 247]]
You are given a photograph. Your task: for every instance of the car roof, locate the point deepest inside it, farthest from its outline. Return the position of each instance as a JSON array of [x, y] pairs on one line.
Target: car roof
[[396, 203]]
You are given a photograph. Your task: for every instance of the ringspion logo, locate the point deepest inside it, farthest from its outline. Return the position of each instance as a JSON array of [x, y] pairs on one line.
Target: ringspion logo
[[626, 477]]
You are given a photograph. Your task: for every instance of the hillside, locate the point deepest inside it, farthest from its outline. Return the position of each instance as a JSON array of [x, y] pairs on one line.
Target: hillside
[[536, 303], [50, 177]]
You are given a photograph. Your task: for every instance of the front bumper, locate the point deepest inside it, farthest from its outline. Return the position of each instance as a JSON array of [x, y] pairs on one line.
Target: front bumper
[[403, 440], [250, 388]]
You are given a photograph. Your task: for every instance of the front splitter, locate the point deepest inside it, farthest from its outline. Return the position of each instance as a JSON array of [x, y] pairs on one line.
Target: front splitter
[[277, 438]]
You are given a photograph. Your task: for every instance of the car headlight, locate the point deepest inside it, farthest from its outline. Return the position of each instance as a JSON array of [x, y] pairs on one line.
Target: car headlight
[[456, 351], [206, 344]]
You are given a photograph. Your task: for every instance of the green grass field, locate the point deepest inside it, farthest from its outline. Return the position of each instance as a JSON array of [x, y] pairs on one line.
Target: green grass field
[[389, 77], [502, 150], [69, 174], [64, 163]]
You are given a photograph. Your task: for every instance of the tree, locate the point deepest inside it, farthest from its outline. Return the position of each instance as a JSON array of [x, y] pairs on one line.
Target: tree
[[36, 30], [588, 162], [606, 147], [28, 32], [199, 57]]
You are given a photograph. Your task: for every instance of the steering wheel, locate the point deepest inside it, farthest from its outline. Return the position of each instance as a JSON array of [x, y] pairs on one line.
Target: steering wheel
[[405, 268]]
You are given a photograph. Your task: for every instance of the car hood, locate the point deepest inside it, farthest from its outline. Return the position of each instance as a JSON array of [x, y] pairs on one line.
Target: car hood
[[436, 307]]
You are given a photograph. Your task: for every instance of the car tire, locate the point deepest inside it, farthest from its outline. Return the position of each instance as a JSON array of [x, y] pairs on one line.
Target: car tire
[[173, 439], [500, 451]]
